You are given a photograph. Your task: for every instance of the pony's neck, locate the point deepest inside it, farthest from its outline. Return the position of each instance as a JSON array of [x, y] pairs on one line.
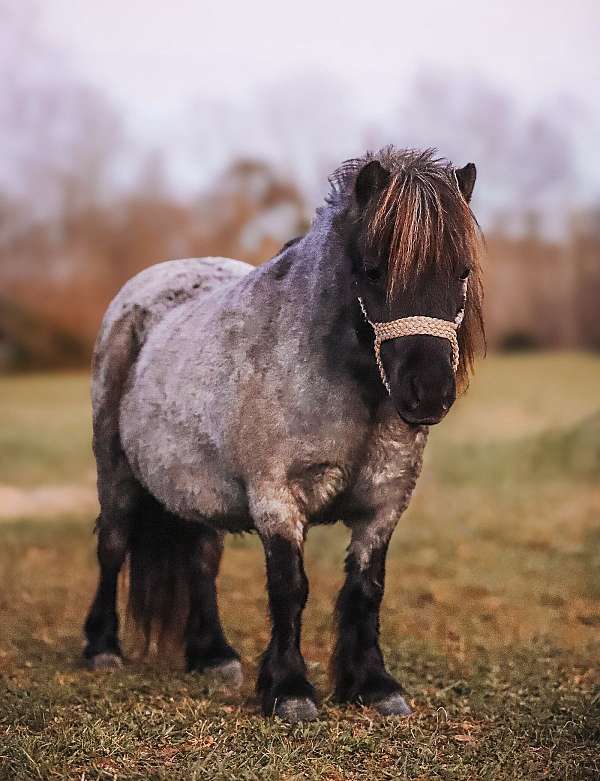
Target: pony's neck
[[331, 308], [326, 266]]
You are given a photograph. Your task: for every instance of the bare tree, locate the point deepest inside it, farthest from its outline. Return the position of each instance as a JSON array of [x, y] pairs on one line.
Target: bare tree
[[59, 137], [526, 158], [303, 126]]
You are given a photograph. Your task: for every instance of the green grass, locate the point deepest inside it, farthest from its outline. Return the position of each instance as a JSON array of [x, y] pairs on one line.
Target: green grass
[[512, 396], [491, 617], [572, 452], [45, 429]]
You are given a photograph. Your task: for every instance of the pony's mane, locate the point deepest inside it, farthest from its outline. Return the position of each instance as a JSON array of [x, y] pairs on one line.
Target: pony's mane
[[421, 220]]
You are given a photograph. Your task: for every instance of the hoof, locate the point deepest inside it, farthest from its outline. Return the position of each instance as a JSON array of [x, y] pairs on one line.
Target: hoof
[[296, 709], [106, 661], [228, 674], [393, 705]]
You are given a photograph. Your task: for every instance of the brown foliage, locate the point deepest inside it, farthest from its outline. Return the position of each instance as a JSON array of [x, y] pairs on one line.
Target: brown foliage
[[66, 272], [542, 293]]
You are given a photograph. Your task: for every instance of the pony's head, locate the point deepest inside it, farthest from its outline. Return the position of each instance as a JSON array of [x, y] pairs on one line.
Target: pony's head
[[414, 243]]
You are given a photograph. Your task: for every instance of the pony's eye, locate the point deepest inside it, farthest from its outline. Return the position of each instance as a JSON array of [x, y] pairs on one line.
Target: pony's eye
[[373, 274], [465, 273]]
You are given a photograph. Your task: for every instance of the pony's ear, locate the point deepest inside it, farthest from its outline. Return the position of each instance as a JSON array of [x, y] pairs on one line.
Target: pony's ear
[[466, 180], [372, 178]]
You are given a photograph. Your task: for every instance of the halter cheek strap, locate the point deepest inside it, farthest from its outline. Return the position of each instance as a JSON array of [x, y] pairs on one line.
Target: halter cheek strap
[[414, 326]]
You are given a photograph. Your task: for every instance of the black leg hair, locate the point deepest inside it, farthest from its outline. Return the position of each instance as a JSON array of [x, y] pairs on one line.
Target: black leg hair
[[102, 624], [282, 683], [206, 648], [358, 667], [120, 498]]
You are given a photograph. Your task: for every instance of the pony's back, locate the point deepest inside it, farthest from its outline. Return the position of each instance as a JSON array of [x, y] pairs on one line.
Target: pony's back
[[139, 306]]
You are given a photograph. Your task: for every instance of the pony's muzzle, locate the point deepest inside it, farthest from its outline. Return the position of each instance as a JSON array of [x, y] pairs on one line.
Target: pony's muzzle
[[422, 381], [425, 405]]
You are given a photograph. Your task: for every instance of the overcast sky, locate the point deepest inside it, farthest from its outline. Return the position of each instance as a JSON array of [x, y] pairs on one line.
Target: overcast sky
[[156, 58], [149, 51]]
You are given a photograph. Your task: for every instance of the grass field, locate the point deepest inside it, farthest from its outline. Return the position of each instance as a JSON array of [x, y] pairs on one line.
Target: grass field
[[491, 616]]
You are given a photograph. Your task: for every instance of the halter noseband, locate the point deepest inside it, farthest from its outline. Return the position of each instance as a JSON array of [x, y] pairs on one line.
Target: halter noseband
[[413, 326]]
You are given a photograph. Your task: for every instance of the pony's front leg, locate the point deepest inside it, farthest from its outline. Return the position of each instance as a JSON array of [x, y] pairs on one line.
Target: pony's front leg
[[358, 666], [282, 683]]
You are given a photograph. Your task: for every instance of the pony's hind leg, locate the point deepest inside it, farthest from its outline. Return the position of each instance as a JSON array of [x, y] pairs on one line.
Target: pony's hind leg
[[121, 498], [206, 648], [118, 491], [358, 666], [103, 650]]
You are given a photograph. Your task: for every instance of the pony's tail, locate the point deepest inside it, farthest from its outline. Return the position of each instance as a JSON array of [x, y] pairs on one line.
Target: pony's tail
[[161, 548]]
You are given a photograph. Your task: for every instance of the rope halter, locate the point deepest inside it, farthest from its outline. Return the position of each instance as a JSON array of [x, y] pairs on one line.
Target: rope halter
[[416, 326]]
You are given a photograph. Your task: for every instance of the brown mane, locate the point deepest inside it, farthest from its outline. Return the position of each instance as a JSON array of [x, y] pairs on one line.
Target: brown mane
[[421, 218]]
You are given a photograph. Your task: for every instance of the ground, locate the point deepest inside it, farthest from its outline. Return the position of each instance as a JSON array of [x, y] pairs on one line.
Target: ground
[[491, 616]]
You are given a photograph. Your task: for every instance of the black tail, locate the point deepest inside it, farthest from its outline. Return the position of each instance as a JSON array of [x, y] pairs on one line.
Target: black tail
[[161, 550]]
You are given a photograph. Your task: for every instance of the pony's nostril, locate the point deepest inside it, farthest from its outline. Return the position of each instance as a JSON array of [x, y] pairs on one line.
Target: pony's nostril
[[416, 393], [448, 398]]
